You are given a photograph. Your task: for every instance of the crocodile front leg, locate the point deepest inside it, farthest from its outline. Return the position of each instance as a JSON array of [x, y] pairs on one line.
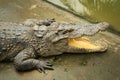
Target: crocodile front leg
[[25, 60]]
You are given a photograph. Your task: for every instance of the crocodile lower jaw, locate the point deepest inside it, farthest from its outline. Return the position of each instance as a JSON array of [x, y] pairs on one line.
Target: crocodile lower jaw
[[88, 44]]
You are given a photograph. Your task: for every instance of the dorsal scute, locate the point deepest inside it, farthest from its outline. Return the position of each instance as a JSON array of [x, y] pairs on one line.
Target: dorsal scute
[[12, 30], [40, 31], [40, 28]]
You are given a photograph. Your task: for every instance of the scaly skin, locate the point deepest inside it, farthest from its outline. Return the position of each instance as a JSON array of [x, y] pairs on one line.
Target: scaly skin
[[23, 42]]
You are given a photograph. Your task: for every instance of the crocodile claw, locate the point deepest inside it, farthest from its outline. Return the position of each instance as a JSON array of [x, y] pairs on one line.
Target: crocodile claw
[[42, 65]]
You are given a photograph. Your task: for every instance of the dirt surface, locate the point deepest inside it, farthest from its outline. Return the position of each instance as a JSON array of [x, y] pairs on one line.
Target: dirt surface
[[19, 10], [95, 66]]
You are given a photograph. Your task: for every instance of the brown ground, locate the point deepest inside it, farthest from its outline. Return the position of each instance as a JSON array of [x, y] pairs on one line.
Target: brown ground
[[97, 66]]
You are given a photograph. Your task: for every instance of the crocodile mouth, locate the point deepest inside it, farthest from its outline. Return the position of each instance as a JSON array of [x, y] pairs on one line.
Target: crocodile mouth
[[87, 43]]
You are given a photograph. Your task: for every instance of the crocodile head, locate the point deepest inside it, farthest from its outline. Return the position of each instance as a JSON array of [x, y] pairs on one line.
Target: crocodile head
[[74, 38]]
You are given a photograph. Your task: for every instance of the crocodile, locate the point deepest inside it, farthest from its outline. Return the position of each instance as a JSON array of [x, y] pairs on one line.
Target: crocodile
[[24, 42]]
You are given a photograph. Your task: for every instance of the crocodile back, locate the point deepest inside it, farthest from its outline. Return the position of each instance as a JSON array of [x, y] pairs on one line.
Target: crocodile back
[[10, 39], [12, 30]]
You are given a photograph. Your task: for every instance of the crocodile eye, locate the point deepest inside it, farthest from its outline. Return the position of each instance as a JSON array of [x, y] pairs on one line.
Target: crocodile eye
[[65, 31], [70, 30]]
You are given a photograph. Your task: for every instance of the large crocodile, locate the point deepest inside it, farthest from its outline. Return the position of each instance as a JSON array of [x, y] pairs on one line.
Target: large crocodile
[[23, 42]]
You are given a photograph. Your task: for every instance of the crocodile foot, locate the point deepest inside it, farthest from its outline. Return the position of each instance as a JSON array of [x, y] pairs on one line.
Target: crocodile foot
[[42, 65]]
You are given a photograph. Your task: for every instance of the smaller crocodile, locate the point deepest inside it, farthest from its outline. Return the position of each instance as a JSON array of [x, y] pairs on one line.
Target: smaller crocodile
[[24, 42]]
